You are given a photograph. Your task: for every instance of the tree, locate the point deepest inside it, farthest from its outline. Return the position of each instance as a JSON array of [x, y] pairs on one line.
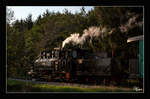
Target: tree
[[29, 22]]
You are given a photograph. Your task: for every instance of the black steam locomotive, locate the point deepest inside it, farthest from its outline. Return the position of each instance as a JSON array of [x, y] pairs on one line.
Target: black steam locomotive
[[74, 65]]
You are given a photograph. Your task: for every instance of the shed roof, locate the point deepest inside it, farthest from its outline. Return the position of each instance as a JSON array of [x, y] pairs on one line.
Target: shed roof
[[135, 38]]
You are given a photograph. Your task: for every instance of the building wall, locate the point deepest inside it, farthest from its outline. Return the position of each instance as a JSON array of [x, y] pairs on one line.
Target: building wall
[[141, 57]]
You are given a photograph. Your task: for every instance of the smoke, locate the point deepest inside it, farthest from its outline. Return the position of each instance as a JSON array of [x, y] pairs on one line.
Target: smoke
[[91, 32], [132, 22]]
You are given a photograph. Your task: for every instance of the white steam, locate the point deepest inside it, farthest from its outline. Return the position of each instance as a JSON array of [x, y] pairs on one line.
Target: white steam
[[132, 22], [92, 32]]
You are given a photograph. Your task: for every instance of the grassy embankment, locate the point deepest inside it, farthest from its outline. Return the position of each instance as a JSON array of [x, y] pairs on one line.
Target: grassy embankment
[[19, 86]]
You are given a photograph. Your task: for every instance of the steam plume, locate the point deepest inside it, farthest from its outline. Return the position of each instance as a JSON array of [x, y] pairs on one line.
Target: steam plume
[[132, 22], [93, 32], [90, 32]]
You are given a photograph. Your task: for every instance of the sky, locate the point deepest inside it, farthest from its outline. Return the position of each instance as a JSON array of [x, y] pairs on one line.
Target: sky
[[21, 12]]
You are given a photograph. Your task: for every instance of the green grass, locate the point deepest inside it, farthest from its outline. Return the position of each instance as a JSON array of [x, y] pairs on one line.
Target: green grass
[[18, 86]]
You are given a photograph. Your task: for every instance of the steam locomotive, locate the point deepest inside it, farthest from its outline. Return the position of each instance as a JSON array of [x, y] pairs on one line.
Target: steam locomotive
[[73, 65]]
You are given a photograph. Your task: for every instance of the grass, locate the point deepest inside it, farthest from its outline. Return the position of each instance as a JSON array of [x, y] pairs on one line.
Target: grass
[[19, 86]]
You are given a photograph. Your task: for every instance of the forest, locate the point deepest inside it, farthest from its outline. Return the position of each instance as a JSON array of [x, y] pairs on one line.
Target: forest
[[26, 38]]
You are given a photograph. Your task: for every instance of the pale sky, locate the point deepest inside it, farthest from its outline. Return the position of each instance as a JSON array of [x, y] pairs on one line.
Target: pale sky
[[21, 12]]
